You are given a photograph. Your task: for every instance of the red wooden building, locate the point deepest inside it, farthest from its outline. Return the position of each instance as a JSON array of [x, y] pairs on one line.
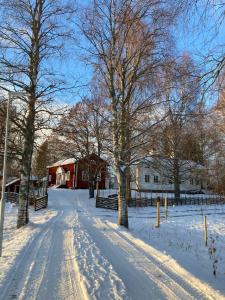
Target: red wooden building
[[13, 185], [76, 174]]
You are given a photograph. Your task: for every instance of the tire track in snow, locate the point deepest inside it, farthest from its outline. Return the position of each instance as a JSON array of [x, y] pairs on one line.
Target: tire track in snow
[[46, 268], [23, 267], [141, 277], [98, 275], [71, 271], [60, 280], [167, 265], [37, 269], [141, 283], [137, 284], [170, 287]]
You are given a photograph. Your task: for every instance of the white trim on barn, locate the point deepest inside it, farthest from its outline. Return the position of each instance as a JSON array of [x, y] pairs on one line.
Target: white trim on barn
[[60, 176]]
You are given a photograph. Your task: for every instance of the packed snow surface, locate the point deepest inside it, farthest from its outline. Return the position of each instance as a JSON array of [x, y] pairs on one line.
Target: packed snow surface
[[73, 250]]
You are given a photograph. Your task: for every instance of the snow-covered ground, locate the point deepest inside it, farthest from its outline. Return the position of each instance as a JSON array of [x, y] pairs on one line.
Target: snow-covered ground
[[15, 240], [181, 237], [76, 251]]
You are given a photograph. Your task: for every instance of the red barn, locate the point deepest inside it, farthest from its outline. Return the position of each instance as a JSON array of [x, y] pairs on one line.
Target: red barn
[[75, 174]]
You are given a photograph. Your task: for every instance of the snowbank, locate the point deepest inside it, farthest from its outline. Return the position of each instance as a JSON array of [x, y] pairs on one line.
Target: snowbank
[[180, 237], [15, 240]]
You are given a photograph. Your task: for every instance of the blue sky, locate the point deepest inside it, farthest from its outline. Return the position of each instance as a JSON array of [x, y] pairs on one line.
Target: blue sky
[[194, 37], [199, 35]]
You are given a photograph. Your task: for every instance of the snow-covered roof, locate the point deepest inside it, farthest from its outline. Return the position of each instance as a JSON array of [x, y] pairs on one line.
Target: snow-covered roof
[[12, 181], [190, 163], [63, 162]]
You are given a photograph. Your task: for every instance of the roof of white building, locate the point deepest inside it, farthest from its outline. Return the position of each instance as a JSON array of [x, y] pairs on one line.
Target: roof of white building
[[190, 163]]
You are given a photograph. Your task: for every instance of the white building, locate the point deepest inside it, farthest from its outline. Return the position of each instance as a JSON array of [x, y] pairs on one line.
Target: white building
[[155, 174]]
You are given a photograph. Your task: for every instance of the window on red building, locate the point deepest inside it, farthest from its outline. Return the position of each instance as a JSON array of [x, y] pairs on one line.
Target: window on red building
[[84, 176], [67, 175]]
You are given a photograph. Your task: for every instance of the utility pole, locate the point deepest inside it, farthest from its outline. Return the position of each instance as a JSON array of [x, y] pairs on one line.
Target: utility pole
[[2, 204]]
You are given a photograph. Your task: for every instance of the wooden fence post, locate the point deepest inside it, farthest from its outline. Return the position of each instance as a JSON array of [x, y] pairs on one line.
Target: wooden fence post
[[158, 213], [166, 207], [205, 231]]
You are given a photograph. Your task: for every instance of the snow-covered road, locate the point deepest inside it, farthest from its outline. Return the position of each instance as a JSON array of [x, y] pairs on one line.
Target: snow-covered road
[[80, 255], [47, 268]]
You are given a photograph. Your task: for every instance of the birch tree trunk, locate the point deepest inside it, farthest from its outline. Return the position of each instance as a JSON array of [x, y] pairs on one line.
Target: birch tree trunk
[[120, 156], [128, 189], [176, 181], [33, 66], [122, 203], [25, 171]]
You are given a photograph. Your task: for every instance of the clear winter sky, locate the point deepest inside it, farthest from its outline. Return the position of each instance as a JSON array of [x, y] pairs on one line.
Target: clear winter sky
[[195, 37]]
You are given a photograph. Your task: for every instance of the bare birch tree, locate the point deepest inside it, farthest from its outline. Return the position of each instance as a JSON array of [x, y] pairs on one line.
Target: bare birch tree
[[182, 106], [215, 134], [31, 34], [83, 132], [126, 40], [205, 15]]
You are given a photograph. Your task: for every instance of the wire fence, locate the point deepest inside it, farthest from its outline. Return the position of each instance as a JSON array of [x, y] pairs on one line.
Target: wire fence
[[181, 213], [144, 202], [111, 201]]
